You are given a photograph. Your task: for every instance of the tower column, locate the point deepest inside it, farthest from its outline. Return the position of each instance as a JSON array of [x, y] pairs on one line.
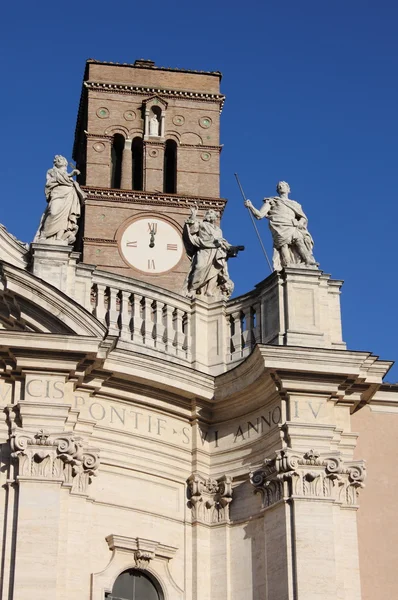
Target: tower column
[[127, 166]]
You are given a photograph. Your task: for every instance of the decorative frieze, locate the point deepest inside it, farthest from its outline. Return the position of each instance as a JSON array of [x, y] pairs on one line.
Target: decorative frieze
[[294, 475], [54, 456], [210, 498]]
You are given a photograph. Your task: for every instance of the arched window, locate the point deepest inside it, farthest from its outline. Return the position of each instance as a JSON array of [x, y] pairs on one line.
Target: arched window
[[137, 152], [170, 167], [135, 585], [117, 156]]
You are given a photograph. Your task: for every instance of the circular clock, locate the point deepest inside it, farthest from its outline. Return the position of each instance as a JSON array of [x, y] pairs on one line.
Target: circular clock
[[151, 245]]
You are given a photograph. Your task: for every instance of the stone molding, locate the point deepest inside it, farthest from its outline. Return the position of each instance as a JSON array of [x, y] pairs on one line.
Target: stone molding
[[140, 553], [143, 550], [60, 456], [310, 475], [209, 499]]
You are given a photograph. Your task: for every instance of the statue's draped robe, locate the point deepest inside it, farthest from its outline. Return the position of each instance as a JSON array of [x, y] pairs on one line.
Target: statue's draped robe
[[63, 210], [284, 216], [208, 260]]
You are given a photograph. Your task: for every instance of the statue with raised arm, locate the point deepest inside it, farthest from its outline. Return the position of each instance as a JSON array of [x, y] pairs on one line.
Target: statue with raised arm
[[64, 196], [293, 243], [209, 252]]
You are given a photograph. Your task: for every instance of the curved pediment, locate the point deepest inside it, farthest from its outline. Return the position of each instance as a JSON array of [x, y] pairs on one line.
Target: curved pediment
[[32, 305], [13, 250]]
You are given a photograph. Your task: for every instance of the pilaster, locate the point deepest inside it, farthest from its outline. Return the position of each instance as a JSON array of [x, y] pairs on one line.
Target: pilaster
[[209, 500], [304, 493]]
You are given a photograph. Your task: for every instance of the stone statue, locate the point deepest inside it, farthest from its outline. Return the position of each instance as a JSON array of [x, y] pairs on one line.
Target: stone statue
[[288, 224], [209, 252], [59, 221], [154, 125]]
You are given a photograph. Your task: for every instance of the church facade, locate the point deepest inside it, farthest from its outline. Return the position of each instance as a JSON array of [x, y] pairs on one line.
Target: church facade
[[161, 440]]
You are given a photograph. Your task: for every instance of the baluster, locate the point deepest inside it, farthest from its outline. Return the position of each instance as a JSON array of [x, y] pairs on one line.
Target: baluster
[[179, 335], [125, 316], [93, 299], [113, 313], [100, 310], [147, 328], [169, 332], [137, 319], [236, 337], [186, 328], [159, 326], [244, 332], [247, 326], [256, 324]]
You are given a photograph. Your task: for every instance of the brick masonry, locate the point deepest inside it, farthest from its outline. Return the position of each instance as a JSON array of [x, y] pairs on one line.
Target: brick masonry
[[115, 99]]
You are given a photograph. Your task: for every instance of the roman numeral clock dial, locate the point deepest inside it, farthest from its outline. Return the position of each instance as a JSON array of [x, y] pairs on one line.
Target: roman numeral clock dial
[[151, 245]]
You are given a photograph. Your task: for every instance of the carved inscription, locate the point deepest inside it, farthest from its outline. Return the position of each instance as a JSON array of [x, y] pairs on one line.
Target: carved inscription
[[308, 410], [244, 431], [138, 421]]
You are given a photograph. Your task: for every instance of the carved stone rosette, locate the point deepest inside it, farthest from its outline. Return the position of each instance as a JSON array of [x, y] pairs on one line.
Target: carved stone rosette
[[291, 474], [209, 498], [54, 456]]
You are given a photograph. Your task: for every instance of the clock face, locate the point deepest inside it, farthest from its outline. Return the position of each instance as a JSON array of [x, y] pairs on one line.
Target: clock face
[[151, 245]]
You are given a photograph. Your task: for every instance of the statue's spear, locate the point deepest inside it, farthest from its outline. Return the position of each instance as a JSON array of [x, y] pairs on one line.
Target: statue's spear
[[254, 224]]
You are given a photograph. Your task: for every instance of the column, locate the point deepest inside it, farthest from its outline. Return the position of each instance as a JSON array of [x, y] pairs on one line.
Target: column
[[127, 166]]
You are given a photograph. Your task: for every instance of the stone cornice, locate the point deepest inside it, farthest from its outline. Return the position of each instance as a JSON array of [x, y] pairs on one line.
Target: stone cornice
[[143, 65], [134, 197], [347, 376]]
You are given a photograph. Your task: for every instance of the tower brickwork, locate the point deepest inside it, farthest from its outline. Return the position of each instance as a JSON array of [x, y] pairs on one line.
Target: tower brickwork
[[148, 147]]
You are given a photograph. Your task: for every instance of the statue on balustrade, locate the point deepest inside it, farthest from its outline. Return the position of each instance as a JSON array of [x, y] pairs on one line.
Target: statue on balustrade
[[293, 243], [64, 196], [209, 253]]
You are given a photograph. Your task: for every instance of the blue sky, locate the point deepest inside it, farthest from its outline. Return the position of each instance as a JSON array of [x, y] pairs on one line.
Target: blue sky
[[311, 92]]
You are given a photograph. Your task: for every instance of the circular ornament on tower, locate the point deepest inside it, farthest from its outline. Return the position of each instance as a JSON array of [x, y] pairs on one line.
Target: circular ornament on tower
[[205, 122], [103, 112], [153, 153], [99, 146], [205, 156], [129, 115], [178, 120], [151, 245]]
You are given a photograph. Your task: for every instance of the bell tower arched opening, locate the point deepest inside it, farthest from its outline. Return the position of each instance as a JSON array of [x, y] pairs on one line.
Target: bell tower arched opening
[[137, 157], [170, 167], [117, 158]]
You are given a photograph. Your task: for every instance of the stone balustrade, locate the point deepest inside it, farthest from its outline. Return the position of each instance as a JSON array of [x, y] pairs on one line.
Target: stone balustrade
[[142, 316], [294, 307]]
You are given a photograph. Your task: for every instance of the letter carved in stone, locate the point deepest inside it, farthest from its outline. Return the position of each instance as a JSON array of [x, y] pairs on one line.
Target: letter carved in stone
[[291, 474], [57, 456], [209, 498]]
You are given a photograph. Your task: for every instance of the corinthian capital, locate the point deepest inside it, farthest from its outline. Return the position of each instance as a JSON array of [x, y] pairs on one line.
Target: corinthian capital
[[209, 498], [58, 456], [311, 474]]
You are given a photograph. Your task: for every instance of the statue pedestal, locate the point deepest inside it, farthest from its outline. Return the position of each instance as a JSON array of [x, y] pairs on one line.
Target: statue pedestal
[[55, 264], [301, 307]]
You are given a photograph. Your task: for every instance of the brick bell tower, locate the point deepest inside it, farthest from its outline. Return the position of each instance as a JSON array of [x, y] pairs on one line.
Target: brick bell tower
[[147, 145]]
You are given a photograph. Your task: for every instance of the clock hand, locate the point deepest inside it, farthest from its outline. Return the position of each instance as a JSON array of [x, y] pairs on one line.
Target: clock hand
[[152, 233]]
